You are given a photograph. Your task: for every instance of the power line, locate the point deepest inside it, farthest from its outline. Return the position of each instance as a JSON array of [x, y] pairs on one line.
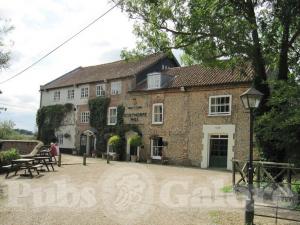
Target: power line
[[18, 106], [63, 43]]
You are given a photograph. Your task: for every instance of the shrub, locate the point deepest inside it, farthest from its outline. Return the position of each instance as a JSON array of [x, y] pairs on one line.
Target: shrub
[[7, 156], [114, 140], [135, 141], [296, 187]]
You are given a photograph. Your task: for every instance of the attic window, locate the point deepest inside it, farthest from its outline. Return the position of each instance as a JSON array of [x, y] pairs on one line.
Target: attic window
[[154, 80]]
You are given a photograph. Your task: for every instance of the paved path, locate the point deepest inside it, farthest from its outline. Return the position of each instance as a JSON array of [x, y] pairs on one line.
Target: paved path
[[120, 193]]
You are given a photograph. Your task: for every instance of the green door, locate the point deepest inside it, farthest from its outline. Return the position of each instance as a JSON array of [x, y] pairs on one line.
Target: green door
[[218, 151]]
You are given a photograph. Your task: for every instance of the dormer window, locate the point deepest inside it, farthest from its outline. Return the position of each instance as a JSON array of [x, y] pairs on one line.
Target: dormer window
[[154, 80]]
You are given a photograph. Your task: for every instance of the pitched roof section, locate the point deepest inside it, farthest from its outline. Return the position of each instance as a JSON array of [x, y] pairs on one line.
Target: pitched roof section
[[198, 75], [118, 69]]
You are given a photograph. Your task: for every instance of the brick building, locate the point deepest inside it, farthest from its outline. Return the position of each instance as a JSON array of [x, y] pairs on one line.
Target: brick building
[[189, 115]]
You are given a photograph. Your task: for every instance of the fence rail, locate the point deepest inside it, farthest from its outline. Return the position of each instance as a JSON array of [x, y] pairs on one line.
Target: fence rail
[[276, 176]]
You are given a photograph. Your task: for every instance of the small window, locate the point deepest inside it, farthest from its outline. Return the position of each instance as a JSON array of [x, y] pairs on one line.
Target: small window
[[56, 96], [154, 81], [84, 93], [112, 116], [85, 117], [71, 94], [220, 105], [116, 88], [157, 147], [157, 113], [100, 90], [60, 138]]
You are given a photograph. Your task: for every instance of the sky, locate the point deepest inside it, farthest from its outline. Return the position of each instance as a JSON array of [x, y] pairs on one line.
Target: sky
[[39, 26]]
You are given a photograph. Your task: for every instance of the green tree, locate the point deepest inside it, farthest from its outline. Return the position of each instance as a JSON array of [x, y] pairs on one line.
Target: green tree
[[6, 129], [278, 130], [222, 33], [4, 51]]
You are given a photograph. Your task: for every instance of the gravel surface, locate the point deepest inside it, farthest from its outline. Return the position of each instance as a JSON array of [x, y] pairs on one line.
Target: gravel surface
[[121, 193]]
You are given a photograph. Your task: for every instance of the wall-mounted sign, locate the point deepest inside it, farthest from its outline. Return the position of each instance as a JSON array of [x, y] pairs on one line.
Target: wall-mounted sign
[[134, 107], [135, 116]]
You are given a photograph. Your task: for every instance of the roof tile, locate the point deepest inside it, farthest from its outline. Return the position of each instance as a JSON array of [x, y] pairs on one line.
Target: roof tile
[[114, 70]]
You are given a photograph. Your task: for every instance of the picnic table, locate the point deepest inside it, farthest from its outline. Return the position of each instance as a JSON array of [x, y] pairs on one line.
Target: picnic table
[[27, 165], [45, 160]]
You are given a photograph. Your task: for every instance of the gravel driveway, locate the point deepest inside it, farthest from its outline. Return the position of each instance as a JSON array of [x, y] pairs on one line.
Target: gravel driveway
[[120, 193]]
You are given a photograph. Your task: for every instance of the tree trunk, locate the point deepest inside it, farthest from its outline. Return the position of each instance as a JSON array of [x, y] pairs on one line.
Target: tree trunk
[[283, 57], [260, 80]]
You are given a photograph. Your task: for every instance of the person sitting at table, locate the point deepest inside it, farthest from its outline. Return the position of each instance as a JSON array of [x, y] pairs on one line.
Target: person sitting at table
[[53, 151]]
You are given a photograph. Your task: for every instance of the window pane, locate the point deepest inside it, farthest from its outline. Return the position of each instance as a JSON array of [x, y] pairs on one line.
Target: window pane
[[213, 101]]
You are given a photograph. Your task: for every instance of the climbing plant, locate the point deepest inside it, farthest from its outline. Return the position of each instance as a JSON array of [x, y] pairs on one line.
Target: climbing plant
[[49, 118], [98, 112], [98, 120]]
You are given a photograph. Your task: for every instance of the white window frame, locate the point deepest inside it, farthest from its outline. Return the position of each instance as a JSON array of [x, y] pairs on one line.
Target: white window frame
[[109, 116], [100, 90], [153, 81], [84, 92], [56, 96], [220, 113], [71, 94], [152, 147], [116, 88], [85, 117], [153, 114]]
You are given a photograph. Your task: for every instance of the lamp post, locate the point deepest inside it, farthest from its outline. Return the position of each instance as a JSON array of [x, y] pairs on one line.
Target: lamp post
[[251, 100]]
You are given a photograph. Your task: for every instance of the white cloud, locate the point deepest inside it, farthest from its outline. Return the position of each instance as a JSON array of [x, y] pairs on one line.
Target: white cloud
[[42, 25]]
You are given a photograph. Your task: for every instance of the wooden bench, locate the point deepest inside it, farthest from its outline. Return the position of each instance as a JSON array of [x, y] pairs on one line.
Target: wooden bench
[[35, 167], [10, 168], [51, 163]]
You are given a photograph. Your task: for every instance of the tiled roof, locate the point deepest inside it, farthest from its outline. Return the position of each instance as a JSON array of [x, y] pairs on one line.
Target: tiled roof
[[118, 69], [198, 75]]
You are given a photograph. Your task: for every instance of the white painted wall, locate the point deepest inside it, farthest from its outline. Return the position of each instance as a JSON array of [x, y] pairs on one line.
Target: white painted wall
[[67, 142], [69, 123], [47, 96]]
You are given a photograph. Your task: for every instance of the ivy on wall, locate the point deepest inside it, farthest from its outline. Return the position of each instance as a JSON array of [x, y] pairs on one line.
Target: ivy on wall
[[49, 118], [98, 120], [98, 112]]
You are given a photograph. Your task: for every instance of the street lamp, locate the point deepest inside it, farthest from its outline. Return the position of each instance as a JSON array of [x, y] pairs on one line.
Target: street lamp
[[250, 99]]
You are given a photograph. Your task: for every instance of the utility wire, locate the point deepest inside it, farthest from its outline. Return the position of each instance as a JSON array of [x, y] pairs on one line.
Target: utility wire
[[63, 43], [17, 106]]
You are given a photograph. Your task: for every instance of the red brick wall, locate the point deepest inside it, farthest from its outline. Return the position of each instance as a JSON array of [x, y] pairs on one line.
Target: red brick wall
[[23, 146]]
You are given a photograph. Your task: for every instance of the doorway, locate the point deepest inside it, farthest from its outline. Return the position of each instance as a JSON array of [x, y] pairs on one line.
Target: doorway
[[218, 151]]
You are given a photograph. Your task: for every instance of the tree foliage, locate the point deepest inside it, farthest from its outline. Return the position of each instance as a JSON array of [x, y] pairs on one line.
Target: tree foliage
[[8, 132], [278, 131], [222, 33], [5, 28]]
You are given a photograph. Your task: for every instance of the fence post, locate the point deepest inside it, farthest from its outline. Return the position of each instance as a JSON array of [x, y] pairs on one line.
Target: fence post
[[289, 178], [84, 159], [233, 173], [59, 160], [258, 175]]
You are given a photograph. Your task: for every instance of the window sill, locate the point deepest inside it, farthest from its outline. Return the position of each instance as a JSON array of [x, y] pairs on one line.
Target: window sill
[[213, 115], [111, 124], [156, 157], [157, 123]]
